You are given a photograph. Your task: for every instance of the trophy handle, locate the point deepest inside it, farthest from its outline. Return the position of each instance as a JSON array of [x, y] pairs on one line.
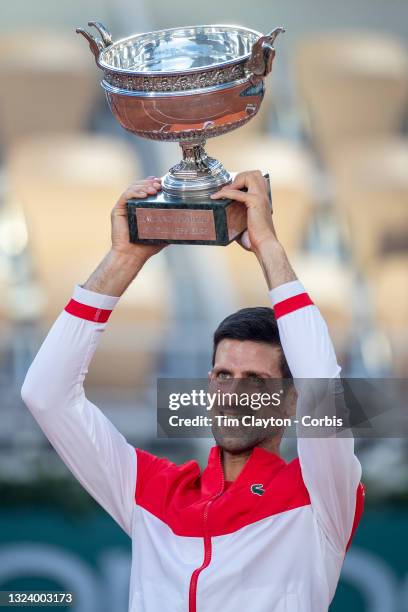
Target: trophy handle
[[97, 44], [260, 62]]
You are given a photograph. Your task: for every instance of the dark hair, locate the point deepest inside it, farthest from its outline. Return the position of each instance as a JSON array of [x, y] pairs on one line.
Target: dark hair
[[257, 324]]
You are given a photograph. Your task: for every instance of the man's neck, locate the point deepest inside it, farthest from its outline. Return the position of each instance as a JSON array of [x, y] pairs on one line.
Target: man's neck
[[233, 463]]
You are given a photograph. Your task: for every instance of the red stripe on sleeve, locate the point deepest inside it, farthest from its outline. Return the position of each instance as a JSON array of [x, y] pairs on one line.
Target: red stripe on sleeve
[[360, 499], [98, 315], [293, 303]]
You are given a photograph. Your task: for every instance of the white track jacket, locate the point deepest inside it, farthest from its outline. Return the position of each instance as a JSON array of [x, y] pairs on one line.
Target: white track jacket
[[198, 546]]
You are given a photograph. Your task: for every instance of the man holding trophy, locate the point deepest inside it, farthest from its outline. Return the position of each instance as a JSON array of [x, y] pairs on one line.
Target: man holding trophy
[[251, 531]]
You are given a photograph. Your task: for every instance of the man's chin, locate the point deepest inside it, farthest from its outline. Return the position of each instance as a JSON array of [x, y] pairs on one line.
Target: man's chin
[[235, 445]]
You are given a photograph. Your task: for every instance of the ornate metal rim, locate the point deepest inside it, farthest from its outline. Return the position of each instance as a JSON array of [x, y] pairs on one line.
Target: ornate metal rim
[[255, 65], [202, 82]]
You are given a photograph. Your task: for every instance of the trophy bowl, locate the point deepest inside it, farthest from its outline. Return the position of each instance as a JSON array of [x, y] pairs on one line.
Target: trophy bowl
[[185, 84]]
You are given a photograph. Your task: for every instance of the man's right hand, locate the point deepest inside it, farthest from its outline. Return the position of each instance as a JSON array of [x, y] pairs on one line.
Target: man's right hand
[[125, 259], [120, 229]]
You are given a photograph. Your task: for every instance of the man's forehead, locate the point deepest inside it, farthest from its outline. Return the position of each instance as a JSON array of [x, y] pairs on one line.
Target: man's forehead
[[246, 354]]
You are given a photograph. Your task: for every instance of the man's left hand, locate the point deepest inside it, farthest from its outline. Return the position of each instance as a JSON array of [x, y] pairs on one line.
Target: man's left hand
[[256, 199]]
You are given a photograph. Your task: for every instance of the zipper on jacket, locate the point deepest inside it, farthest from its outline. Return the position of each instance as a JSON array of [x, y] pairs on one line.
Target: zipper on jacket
[[192, 598]]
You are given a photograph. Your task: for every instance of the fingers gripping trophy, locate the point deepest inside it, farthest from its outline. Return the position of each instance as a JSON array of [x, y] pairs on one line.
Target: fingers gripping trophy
[[186, 85]]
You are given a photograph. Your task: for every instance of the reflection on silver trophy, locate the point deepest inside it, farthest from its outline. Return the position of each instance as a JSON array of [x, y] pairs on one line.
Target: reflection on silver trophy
[[186, 85]]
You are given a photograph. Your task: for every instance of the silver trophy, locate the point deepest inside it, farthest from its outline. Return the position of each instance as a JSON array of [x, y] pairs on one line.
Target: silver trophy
[[186, 85]]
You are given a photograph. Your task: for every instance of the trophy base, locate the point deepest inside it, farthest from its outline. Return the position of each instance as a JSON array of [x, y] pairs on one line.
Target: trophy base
[[176, 220]]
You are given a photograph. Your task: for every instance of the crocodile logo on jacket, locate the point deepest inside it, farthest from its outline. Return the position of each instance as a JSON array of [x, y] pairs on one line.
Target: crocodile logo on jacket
[[257, 489]]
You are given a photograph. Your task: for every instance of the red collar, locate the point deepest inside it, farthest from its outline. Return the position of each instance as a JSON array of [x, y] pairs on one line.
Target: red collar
[[259, 468]]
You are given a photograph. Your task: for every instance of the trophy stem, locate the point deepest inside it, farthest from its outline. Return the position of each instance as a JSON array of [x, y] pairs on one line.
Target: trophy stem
[[196, 174], [194, 157]]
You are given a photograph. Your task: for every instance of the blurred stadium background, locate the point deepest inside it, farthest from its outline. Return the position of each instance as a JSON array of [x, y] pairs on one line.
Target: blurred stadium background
[[332, 132]]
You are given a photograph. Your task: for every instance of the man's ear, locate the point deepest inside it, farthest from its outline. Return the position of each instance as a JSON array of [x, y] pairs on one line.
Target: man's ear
[[209, 375]]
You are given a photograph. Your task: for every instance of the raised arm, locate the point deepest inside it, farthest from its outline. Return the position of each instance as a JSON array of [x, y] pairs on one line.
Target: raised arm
[[330, 469], [92, 448]]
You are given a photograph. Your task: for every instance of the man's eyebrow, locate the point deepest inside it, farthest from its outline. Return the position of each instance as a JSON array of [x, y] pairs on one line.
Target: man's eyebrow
[[221, 368], [253, 373]]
